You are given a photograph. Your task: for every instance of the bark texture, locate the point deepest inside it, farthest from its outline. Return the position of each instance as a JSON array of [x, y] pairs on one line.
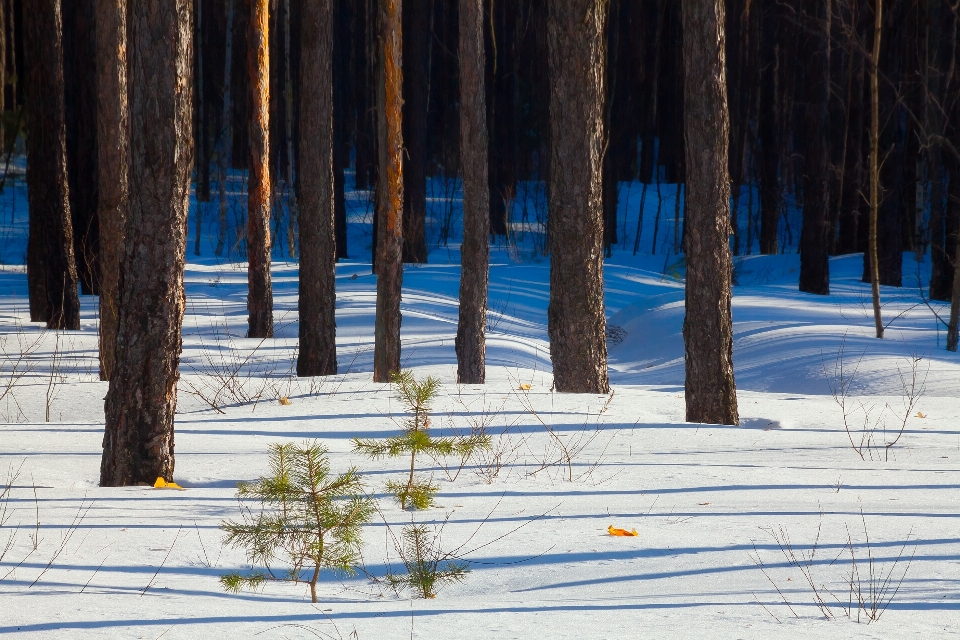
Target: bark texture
[[711, 394], [576, 321], [814, 249], [475, 249], [113, 161], [389, 201], [51, 268], [138, 444], [318, 347], [260, 295]]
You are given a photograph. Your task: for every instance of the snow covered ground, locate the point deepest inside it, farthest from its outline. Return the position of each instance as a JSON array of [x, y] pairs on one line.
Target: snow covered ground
[[709, 502]]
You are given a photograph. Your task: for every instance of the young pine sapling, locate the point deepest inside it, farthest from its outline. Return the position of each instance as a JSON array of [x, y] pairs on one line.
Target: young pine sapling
[[308, 517], [428, 567], [417, 396]]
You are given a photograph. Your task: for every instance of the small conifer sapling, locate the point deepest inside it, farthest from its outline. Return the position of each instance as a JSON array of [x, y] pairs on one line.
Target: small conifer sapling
[[417, 397], [303, 515], [428, 567]]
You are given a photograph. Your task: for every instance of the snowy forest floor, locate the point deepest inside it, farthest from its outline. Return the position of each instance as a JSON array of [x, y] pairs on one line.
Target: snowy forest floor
[[718, 509]]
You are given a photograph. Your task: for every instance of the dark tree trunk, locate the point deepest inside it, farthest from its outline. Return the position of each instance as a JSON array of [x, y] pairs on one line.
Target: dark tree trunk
[[852, 193], [80, 99], [416, 48], [343, 120], [260, 296], [475, 251], [576, 322], [942, 50], [138, 443], [769, 126], [113, 163], [51, 270], [389, 202], [364, 93], [500, 93], [814, 248], [711, 394], [318, 334], [241, 90], [891, 150]]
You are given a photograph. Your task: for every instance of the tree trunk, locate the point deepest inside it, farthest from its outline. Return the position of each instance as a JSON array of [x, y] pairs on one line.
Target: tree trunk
[[814, 248], [416, 49], [475, 250], [940, 51], [769, 126], [576, 322], [389, 203], [260, 296], [711, 394], [51, 269], [113, 162], [80, 100], [138, 441], [318, 344], [343, 123], [364, 83], [4, 20], [225, 147], [874, 169]]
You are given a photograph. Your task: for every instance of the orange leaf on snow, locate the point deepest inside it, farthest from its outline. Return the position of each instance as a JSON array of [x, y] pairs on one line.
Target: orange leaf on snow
[[525, 387], [285, 400], [614, 531], [163, 484]]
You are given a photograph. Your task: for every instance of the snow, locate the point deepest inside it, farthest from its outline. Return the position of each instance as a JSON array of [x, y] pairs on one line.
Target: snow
[[706, 500]]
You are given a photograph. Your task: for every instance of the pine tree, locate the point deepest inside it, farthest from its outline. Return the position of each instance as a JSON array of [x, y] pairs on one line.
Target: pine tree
[[308, 517], [417, 396], [708, 326], [389, 200], [113, 162], [318, 347], [475, 250], [260, 294], [576, 321], [138, 443]]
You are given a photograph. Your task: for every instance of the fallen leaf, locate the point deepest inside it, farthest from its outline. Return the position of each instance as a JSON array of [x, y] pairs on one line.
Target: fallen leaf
[[703, 504], [614, 531], [920, 414], [525, 387], [163, 484], [285, 400]]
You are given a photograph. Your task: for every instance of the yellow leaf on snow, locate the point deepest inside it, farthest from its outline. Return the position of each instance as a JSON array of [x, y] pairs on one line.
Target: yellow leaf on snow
[[920, 414], [525, 387], [285, 400], [614, 531], [163, 484]]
